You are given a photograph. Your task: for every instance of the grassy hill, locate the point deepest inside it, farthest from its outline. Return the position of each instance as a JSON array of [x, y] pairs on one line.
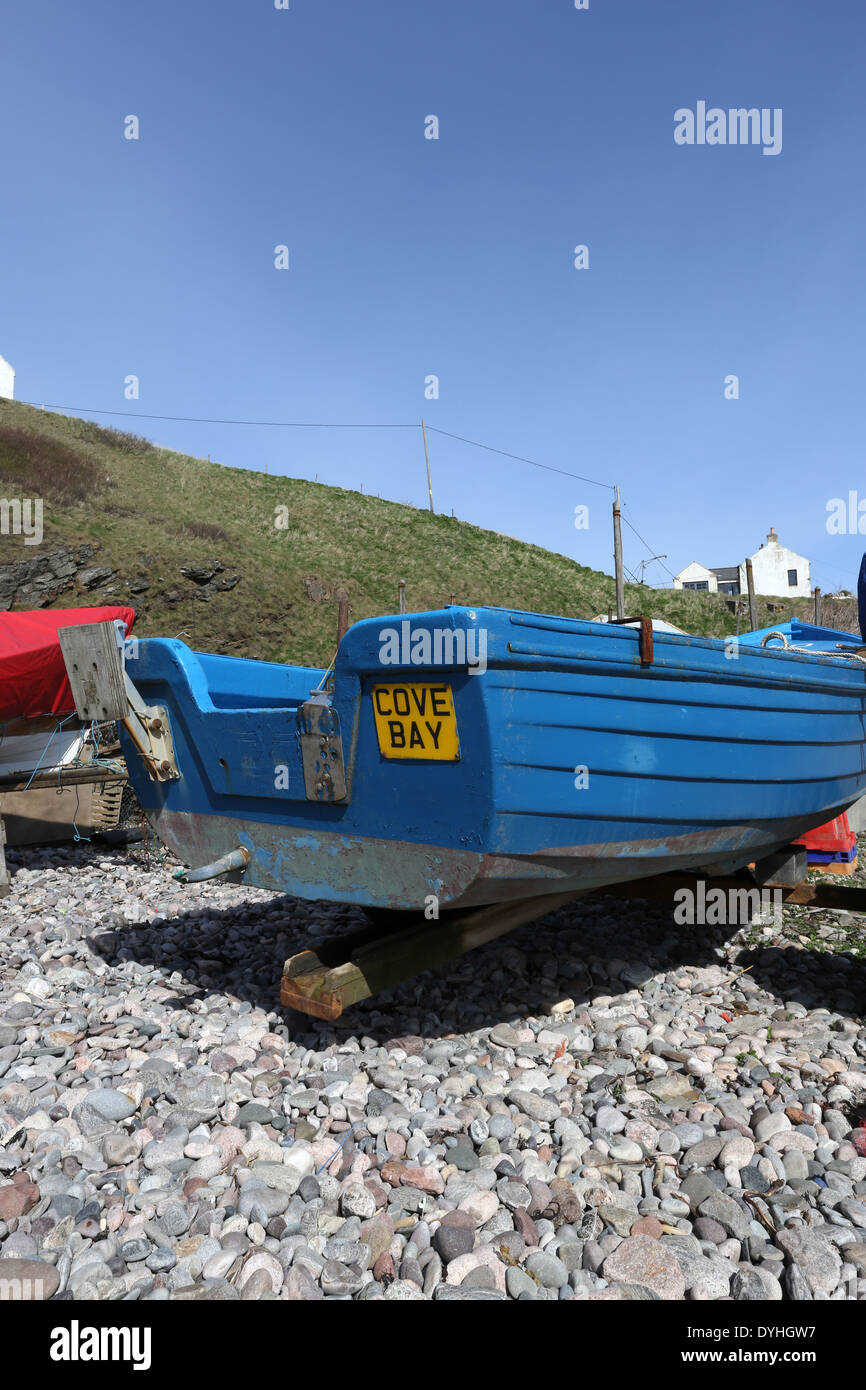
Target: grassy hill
[[153, 513]]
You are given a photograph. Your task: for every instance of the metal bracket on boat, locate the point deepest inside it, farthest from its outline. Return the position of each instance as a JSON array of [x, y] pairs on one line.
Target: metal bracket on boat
[[645, 643], [102, 690], [322, 750], [149, 729]]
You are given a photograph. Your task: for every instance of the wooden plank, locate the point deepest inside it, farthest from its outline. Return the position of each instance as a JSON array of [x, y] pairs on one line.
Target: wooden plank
[[42, 817], [326, 955], [324, 980], [69, 777], [45, 815], [94, 665]]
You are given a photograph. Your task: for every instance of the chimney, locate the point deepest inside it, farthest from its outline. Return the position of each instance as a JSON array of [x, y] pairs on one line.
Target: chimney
[[772, 537]]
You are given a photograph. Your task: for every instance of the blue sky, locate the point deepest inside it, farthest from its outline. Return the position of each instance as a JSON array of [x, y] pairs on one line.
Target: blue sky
[[454, 257]]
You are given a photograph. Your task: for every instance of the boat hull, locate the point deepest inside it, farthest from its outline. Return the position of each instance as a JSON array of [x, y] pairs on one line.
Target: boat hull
[[372, 872], [581, 763]]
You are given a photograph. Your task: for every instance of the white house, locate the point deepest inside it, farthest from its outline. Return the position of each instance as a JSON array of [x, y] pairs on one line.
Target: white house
[[696, 576], [7, 380], [776, 571]]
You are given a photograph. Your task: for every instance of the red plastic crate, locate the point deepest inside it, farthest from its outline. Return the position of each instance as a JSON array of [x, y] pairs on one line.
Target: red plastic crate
[[836, 837]]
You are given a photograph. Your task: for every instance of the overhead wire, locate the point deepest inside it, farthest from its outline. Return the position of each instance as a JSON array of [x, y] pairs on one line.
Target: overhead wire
[[564, 472], [645, 543], [339, 424]]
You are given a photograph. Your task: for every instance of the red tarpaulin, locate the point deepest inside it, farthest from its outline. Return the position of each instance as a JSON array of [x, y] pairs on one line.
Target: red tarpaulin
[[32, 674]]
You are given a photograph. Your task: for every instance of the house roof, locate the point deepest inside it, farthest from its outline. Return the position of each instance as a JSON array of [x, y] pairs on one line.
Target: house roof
[[689, 566], [725, 571]]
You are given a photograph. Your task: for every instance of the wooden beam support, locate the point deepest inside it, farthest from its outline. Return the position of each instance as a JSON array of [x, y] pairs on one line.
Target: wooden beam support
[[832, 896], [329, 977], [332, 975], [70, 776]]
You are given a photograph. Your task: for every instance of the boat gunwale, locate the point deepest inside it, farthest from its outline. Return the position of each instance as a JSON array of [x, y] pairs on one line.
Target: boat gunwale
[[687, 640]]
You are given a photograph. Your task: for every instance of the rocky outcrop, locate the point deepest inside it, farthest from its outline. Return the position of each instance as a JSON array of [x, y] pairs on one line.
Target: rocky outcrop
[[209, 580], [96, 576], [315, 589], [39, 579]]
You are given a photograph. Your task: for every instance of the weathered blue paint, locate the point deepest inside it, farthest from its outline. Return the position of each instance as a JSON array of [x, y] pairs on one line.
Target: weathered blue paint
[[714, 754]]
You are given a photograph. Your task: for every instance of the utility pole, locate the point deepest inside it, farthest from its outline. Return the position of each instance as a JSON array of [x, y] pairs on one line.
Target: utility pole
[[817, 607], [753, 607], [617, 557], [427, 460]]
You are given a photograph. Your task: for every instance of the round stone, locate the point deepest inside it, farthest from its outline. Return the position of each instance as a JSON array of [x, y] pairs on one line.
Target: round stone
[[111, 1105], [175, 1219], [606, 1117], [161, 1260], [549, 1270], [134, 1250], [357, 1201]]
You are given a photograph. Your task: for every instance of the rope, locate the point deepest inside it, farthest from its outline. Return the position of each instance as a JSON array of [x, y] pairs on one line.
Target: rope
[[76, 834], [330, 1160], [55, 733], [110, 764], [328, 672], [810, 651]]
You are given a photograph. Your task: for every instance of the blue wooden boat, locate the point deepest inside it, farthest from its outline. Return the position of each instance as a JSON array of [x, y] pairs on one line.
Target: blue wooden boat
[[485, 755]]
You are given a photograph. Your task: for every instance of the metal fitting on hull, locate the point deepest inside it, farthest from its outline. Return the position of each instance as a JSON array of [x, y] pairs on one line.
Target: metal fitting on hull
[[235, 859]]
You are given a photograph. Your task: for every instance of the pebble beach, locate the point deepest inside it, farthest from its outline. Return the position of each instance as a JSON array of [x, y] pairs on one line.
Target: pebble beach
[[601, 1106]]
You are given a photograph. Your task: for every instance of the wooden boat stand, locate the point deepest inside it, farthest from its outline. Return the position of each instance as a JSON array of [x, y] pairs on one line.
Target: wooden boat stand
[[328, 977]]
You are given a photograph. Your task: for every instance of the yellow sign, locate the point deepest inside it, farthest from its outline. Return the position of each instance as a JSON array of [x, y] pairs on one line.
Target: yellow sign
[[416, 721]]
